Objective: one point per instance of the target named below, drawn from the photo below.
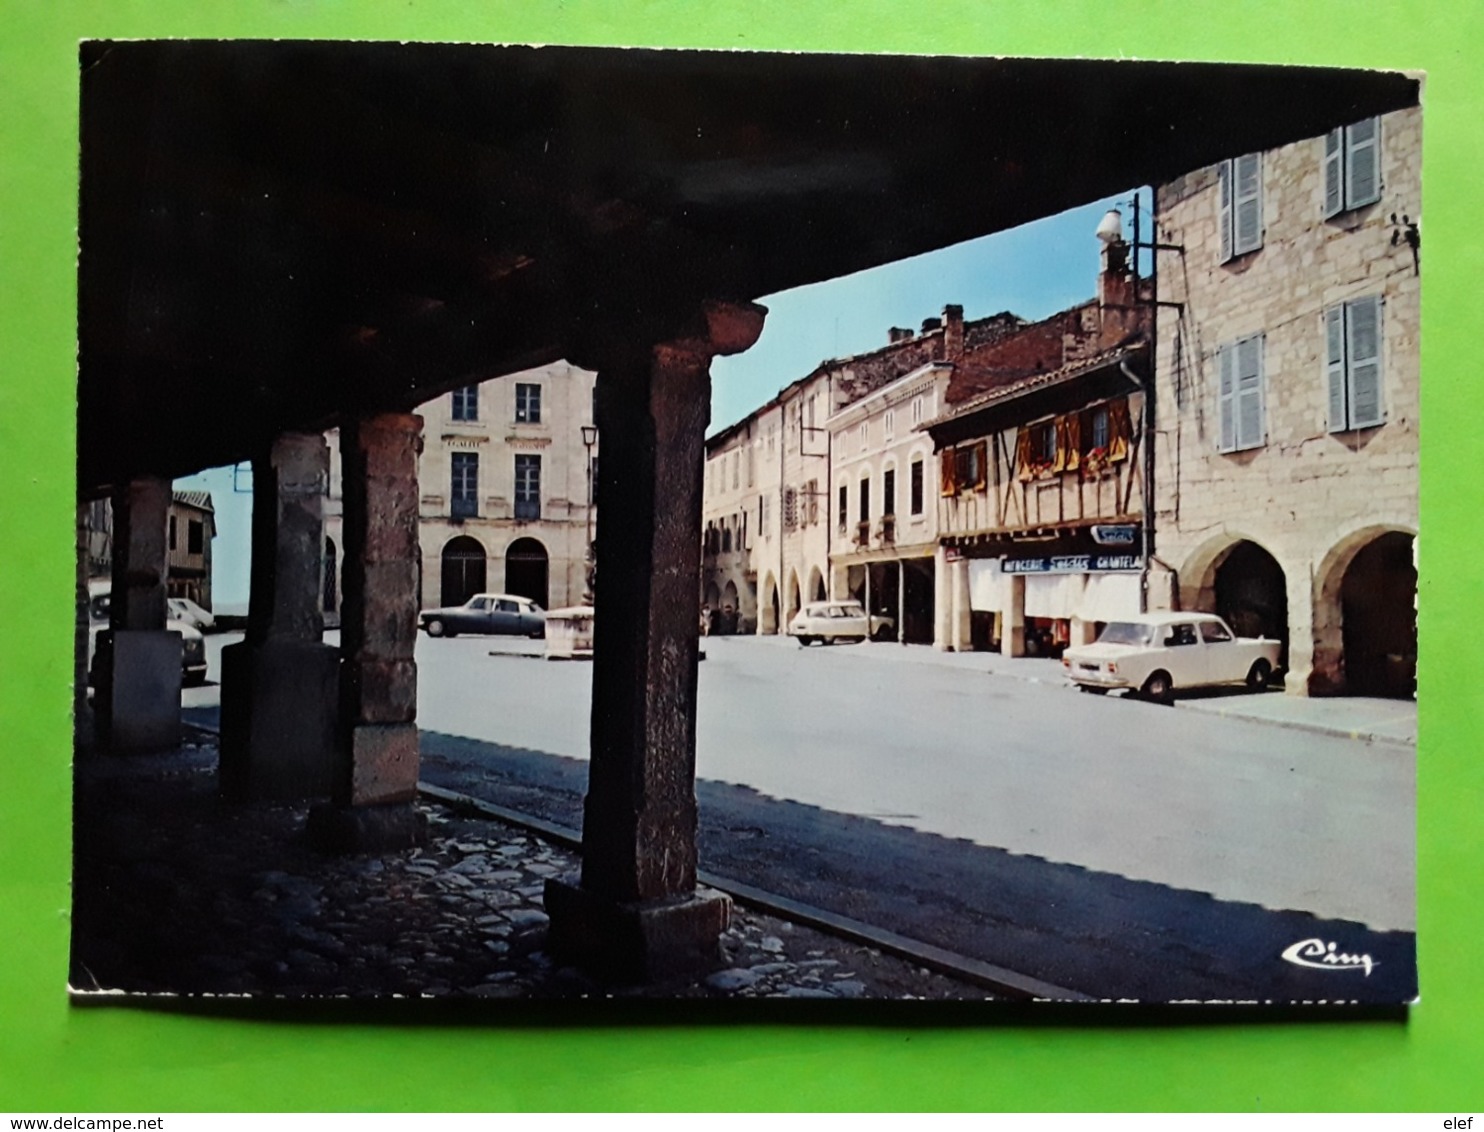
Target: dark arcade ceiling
(274, 235)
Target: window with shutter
(1352, 167)
(1224, 176)
(1334, 173)
(1362, 180)
(1334, 369)
(1241, 408)
(1226, 400)
(1247, 205)
(1250, 431)
(1240, 222)
(1353, 364)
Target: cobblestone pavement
(177, 891)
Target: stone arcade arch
(768, 611)
(527, 569)
(1365, 615)
(464, 570)
(816, 589)
(792, 601)
(1238, 578)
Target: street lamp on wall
(590, 438)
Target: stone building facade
(787, 515)
(883, 513)
(1288, 398)
(504, 479)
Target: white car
(830, 621)
(1156, 653)
(184, 609)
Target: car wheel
(537, 634)
(1091, 691)
(1259, 675)
(1159, 688)
(435, 628)
(805, 642)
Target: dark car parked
(504, 614)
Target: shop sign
(1072, 564)
(1117, 534)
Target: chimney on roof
(953, 332)
(1115, 282)
(931, 324)
(898, 334)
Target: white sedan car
(1156, 653)
(830, 621)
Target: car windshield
(1125, 633)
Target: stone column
(137, 663)
(962, 627)
(1012, 634)
(279, 686)
(942, 600)
(375, 773)
(901, 601)
(635, 912)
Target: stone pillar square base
(640, 942)
(366, 829)
(137, 689)
(278, 720)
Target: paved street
(888, 785)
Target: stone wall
(1310, 497)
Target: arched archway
(731, 608)
(464, 570)
(1241, 581)
(768, 613)
(816, 589)
(1365, 623)
(712, 596)
(791, 602)
(526, 570)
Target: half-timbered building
(1042, 457)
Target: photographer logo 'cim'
(1321, 956)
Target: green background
(55, 1058)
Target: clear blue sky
(1034, 270)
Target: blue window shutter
(1334, 173)
(1224, 224)
(1249, 393)
(1363, 347)
(1334, 368)
(1247, 204)
(1226, 400)
(1362, 163)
